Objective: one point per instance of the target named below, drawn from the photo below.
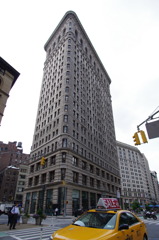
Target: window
(36, 180)
(37, 166)
(65, 129)
(98, 183)
(63, 172)
(43, 178)
(64, 142)
(63, 157)
(84, 165)
(22, 176)
(103, 174)
(97, 171)
(76, 34)
(30, 182)
(67, 89)
(91, 182)
(51, 176)
(32, 168)
(66, 98)
(20, 189)
(65, 118)
(66, 108)
(107, 176)
(53, 160)
(75, 177)
(74, 161)
(84, 180)
(73, 146)
(127, 218)
(91, 168)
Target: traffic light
(63, 182)
(136, 139)
(143, 136)
(42, 162)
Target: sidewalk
(31, 224)
(4, 227)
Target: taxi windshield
(102, 220)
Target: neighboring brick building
(8, 76)
(12, 154)
(11, 160)
(8, 182)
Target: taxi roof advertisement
(108, 203)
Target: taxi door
(125, 234)
(135, 226)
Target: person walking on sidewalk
(14, 216)
(56, 211)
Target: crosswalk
(151, 221)
(44, 232)
(38, 233)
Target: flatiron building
(74, 131)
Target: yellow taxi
(107, 222)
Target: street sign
(153, 129)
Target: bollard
(41, 234)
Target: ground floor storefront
(67, 198)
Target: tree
(135, 205)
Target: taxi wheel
(144, 238)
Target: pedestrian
(14, 216)
(9, 216)
(56, 211)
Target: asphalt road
(152, 226)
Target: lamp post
(118, 195)
(64, 183)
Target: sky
(125, 35)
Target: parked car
(5, 207)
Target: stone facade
(136, 182)
(21, 183)
(8, 76)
